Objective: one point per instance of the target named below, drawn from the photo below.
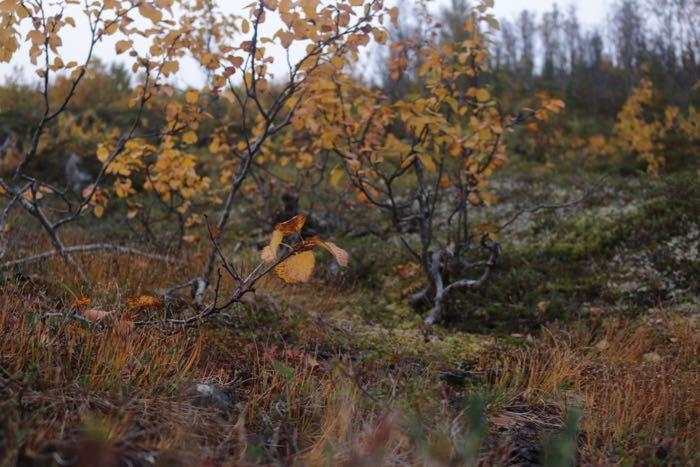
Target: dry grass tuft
(635, 382)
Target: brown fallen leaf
(95, 315)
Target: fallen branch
(121, 250)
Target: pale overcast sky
(591, 13)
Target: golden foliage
(638, 133)
(642, 130)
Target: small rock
(652, 357)
(208, 395)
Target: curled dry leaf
(292, 226)
(340, 255)
(144, 301)
(269, 253)
(95, 315)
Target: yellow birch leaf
(286, 38)
(149, 11)
(407, 162)
(192, 97)
(483, 95)
(428, 163)
(102, 153)
(189, 137)
(297, 268)
(170, 67)
(122, 46)
(336, 175)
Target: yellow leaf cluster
(175, 171)
(299, 264)
(636, 133)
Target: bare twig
(552, 206)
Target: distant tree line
(630, 85)
(594, 70)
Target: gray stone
(208, 395)
(76, 177)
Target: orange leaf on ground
(144, 301)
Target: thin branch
(542, 207)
